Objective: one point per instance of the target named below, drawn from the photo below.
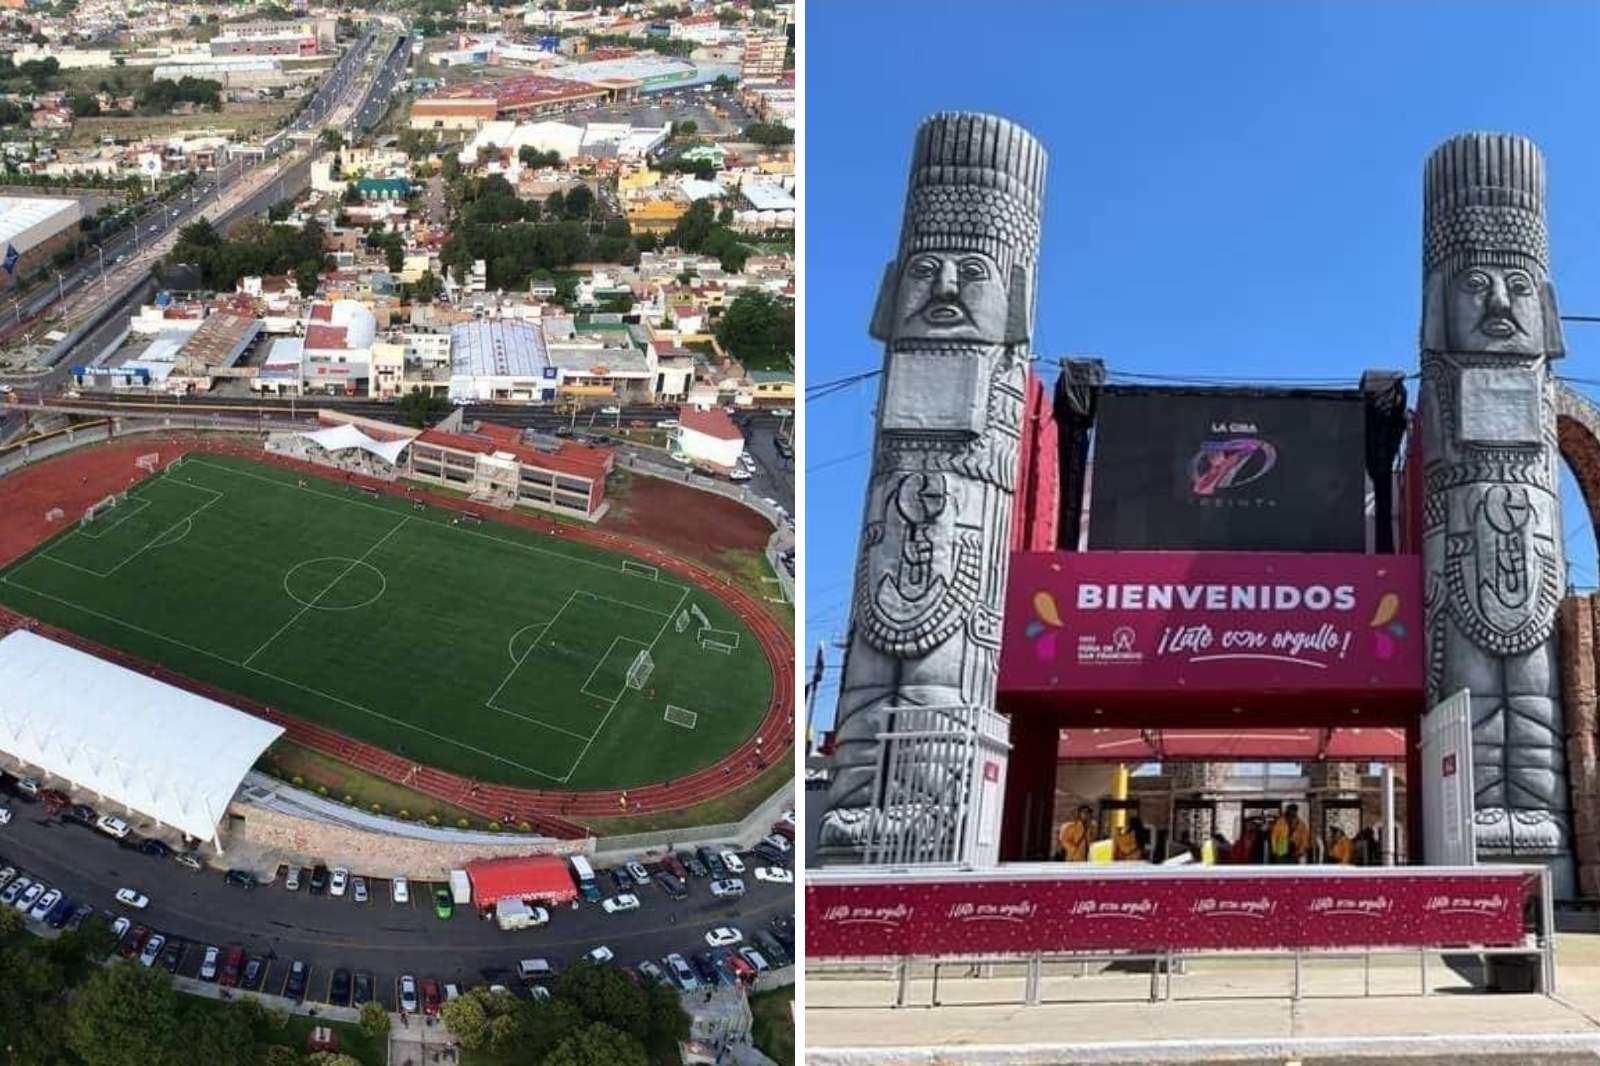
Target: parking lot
(381, 938)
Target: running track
(78, 478)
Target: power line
(836, 461)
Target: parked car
(339, 988)
(79, 915)
(732, 861)
(431, 998)
(625, 901)
(672, 885)
(729, 888)
(754, 958)
(724, 936)
(210, 964)
(713, 862)
(400, 890)
(687, 979)
(152, 949)
(769, 854)
(741, 967)
(653, 972)
(6, 875)
(675, 867)
(778, 841)
(299, 976)
(601, 954)
(134, 943)
(340, 881)
(112, 826)
(15, 889)
(43, 904)
(705, 969)
(640, 875)
(319, 880)
(362, 990)
(56, 917)
(535, 969)
(254, 968)
(188, 859)
(291, 879)
(358, 889)
(152, 846)
(242, 878)
(622, 879)
(232, 963)
(5, 815)
(775, 874)
(30, 895)
(443, 904)
(55, 800)
(29, 787)
(119, 928)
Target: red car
(54, 800)
(232, 960)
(430, 996)
(784, 829)
(135, 942)
(741, 968)
(674, 867)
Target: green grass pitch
(489, 650)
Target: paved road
(381, 936)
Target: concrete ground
(1223, 1010)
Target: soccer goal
(723, 640)
(641, 669)
(100, 507)
(55, 514)
(175, 463)
(640, 569)
(683, 621)
(681, 716)
(148, 463)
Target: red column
(1027, 827)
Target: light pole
(102, 256)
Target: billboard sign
(1212, 622)
(1224, 470)
(1078, 911)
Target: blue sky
(1234, 189)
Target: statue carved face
(951, 296)
(1495, 309)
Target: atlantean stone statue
(956, 314)
(1492, 532)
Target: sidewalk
(1223, 1011)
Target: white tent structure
(338, 438)
(154, 749)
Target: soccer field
(489, 650)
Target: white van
(535, 969)
(583, 874)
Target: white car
(724, 936)
(399, 890)
(112, 826)
(42, 907)
(129, 898)
(208, 967)
(601, 954)
(739, 473)
(732, 861)
(776, 874)
(120, 927)
(667, 423)
(408, 994)
(755, 958)
(30, 895)
(6, 875)
(627, 901)
(779, 841)
(152, 950)
(728, 888)
(639, 874)
(291, 880)
(5, 815)
(358, 888)
(341, 880)
(611, 409)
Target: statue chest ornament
(916, 583)
(1502, 574)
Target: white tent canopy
(338, 438)
(158, 750)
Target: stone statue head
(1486, 257)
(970, 238)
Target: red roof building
(496, 464)
(536, 878)
(709, 438)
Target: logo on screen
(1222, 465)
(1044, 628)
(1387, 629)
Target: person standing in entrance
(1076, 835)
(1291, 837)
(1340, 849)
(1127, 843)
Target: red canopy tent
(1345, 744)
(538, 877)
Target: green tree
(668, 1022)
(555, 205)
(278, 1055)
(769, 133)
(332, 139)
(126, 1015)
(580, 202)
(418, 409)
(598, 1045)
(468, 1020)
(374, 1019)
(536, 1029)
(307, 276)
(604, 994)
(330, 1058)
(209, 1035)
(84, 106)
(427, 286)
(758, 330)
(352, 195)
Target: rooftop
(21, 214)
(498, 349)
(713, 423)
(489, 438)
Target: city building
(32, 229)
(500, 360)
(708, 437)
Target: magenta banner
(1164, 913)
(1212, 622)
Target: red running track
(76, 479)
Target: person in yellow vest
(1340, 849)
(1290, 838)
(1127, 843)
(1076, 836)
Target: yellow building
(656, 216)
(635, 180)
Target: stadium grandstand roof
(29, 220)
(142, 744)
(338, 438)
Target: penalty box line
(517, 665)
(129, 509)
(152, 542)
(584, 688)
